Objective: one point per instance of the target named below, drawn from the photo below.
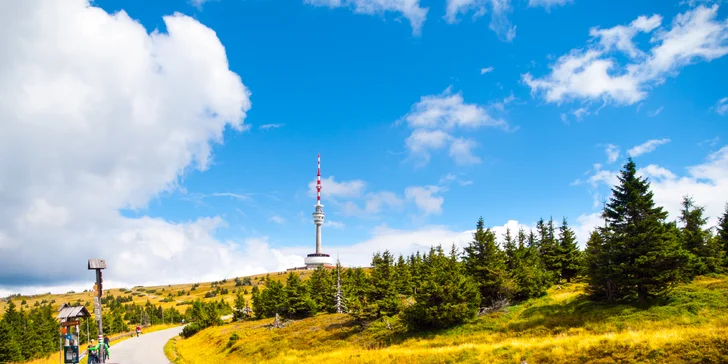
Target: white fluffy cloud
(410, 9)
(647, 147)
(332, 189)
(435, 118)
(109, 117)
(707, 183)
(593, 73)
(721, 107)
(425, 199)
(585, 224)
(486, 70)
(352, 198)
(499, 10)
(612, 153)
(198, 3)
(448, 178)
(461, 150)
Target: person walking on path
(138, 330)
(100, 357)
(92, 353)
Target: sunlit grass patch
(563, 326)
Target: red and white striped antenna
(318, 182)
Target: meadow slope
(691, 326)
(157, 295)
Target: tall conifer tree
(644, 253)
(696, 239)
(722, 236)
(383, 292)
(404, 277)
(485, 262)
(299, 303)
(569, 254)
(445, 297)
(530, 279)
(509, 244)
(10, 350)
(323, 289)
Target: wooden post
(60, 343)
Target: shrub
(233, 338)
(190, 330)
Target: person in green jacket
(94, 352)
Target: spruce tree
(696, 239)
(445, 297)
(569, 254)
(528, 273)
(299, 303)
(323, 290)
(271, 300)
(404, 277)
(601, 267)
(722, 236)
(645, 253)
(485, 263)
(549, 248)
(532, 242)
(383, 293)
(240, 305)
(357, 285)
(10, 350)
(509, 245)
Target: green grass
(564, 326)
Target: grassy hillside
(155, 294)
(561, 327)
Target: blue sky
(425, 120)
(337, 82)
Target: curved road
(145, 349)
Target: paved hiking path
(145, 349)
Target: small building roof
(68, 312)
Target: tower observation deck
(318, 258)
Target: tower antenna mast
(318, 182)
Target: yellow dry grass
(559, 328)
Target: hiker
(92, 353)
(139, 330)
(106, 340)
(97, 349)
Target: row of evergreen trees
(483, 275)
(26, 335)
(639, 253)
(636, 254)
(204, 314)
